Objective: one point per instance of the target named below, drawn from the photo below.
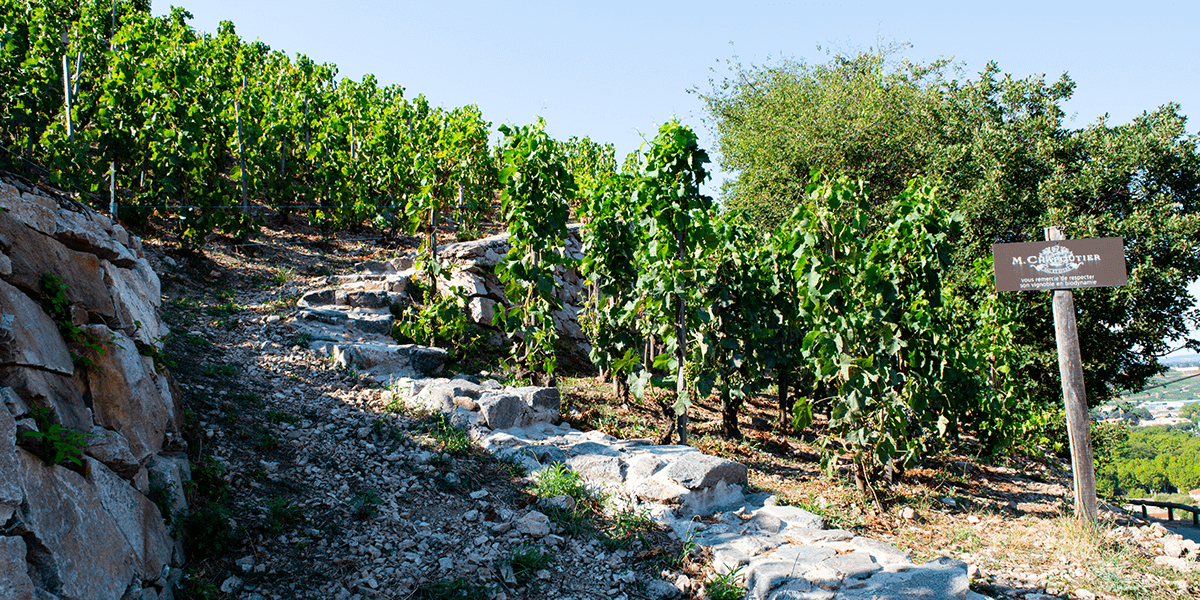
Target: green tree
(1006, 160)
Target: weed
(283, 275)
(573, 522)
(206, 531)
(198, 341)
(452, 589)
(677, 561)
(728, 586)
(264, 440)
(218, 370)
(362, 506)
(526, 561)
(623, 527)
(558, 480)
(383, 428)
(58, 306)
(452, 439)
(275, 416)
(224, 309)
(226, 324)
(59, 444)
(280, 514)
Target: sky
(615, 71)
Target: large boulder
(38, 212)
(57, 393)
(92, 233)
(28, 337)
(136, 297)
(77, 550)
(129, 395)
(40, 254)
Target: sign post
(1061, 265)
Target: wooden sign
(1059, 264)
(1062, 265)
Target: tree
(1005, 160)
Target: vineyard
(870, 317)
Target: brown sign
(1059, 265)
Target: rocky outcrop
(87, 413)
(351, 319)
(473, 271)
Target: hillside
(288, 450)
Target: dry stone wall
(82, 527)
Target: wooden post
(1070, 368)
(681, 416)
(112, 190)
(67, 96)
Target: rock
(482, 311)
(15, 583)
(232, 584)
(136, 517)
(694, 470)
(1085, 594)
(794, 517)
(908, 513)
(542, 401)
(503, 410)
(534, 524)
(59, 393)
(11, 493)
(136, 296)
(66, 522)
(169, 472)
(1172, 548)
(563, 502)
(111, 449)
(5, 265)
(936, 579)
(79, 231)
(41, 254)
(28, 337)
(38, 212)
(129, 395)
(1179, 564)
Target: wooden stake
(67, 96)
(1070, 368)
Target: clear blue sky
(616, 71)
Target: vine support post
(112, 189)
(67, 96)
(681, 412)
(433, 239)
(1070, 368)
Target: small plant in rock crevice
(280, 514)
(363, 505)
(60, 445)
(726, 586)
(527, 561)
(58, 306)
(452, 589)
(559, 480)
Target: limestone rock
(28, 337)
(695, 470)
(65, 518)
(15, 583)
(534, 524)
(38, 212)
(40, 254)
(136, 517)
(136, 296)
(169, 472)
(938, 579)
(59, 393)
(111, 449)
(11, 493)
(129, 395)
(85, 233)
(504, 410)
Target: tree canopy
(1005, 158)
